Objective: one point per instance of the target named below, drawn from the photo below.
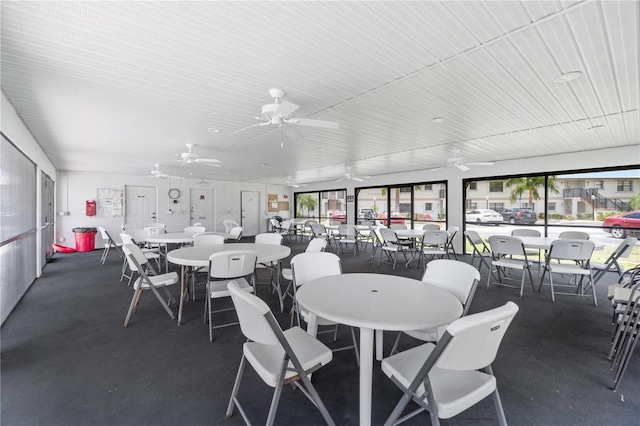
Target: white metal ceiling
(119, 86)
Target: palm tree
(307, 201)
(530, 184)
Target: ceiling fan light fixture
(567, 77)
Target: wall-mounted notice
(110, 202)
(272, 203)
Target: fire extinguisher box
(85, 238)
(91, 208)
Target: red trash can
(85, 238)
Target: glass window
(624, 185)
(551, 206)
(427, 187)
(496, 206)
(427, 206)
(321, 205)
(598, 184)
(473, 186)
(496, 186)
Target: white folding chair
(273, 267)
(392, 246)
(224, 267)
(574, 235)
(235, 233)
(316, 245)
(279, 357)
(150, 254)
(194, 229)
(434, 245)
(309, 266)
(202, 239)
(229, 224)
(445, 379)
(456, 277)
(320, 231)
(108, 245)
(573, 257)
(623, 251)
(348, 235)
(452, 231)
(430, 227)
(509, 253)
(139, 263)
(480, 249)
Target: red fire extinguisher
(91, 208)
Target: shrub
(569, 217)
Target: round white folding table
(198, 257)
(376, 302)
(175, 238)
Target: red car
(396, 217)
(619, 225)
(339, 215)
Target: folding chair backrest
(398, 226)
(205, 238)
(139, 236)
(251, 312)
(475, 339)
(506, 245)
(431, 227)
(574, 235)
(236, 232)
(570, 249)
(388, 235)
(435, 238)
(269, 238)
(103, 233)
(127, 238)
(453, 230)
(456, 277)
(194, 229)
(525, 232)
(474, 238)
(285, 225)
(625, 248)
(232, 264)
(135, 256)
(274, 223)
(316, 245)
(347, 230)
(309, 266)
(318, 229)
(229, 224)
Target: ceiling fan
(293, 185)
(191, 157)
(457, 162)
(350, 176)
(157, 173)
(279, 113)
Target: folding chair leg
(277, 392)
(236, 387)
(134, 303)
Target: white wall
(75, 188)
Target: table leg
(379, 345)
(366, 374)
(183, 281)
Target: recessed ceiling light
(567, 76)
(214, 130)
(437, 120)
(596, 126)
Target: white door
(140, 206)
(250, 213)
(203, 208)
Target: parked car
(396, 217)
(339, 215)
(367, 214)
(520, 216)
(618, 225)
(484, 216)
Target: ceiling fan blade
(340, 180)
(207, 160)
(462, 167)
(481, 163)
(248, 127)
(285, 108)
(314, 123)
(436, 168)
